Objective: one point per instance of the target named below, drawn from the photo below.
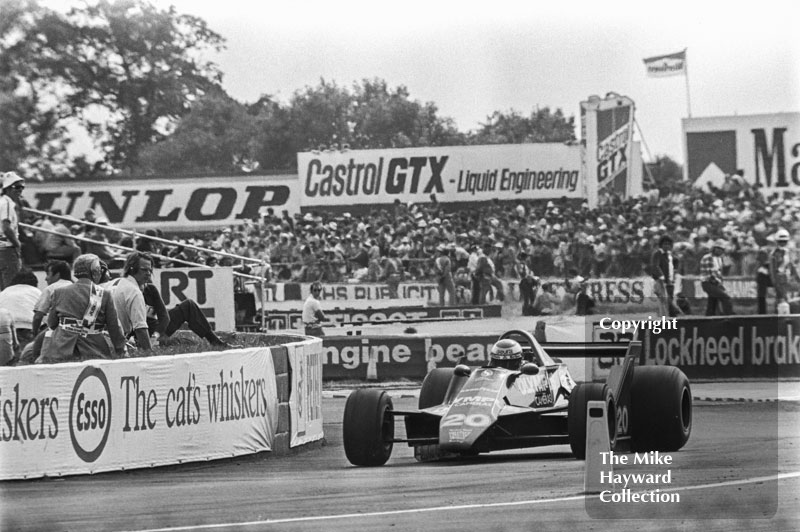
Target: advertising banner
(294, 319)
(452, 173)
(181, 204)
(607, 136)
(305, 396)
(765, 147)
(356, 357)
(637, 290)
(211, 288)
(746, 347)
(79, 418)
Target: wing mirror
(529, 368)
(462, 370)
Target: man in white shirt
(10, 248)
(312, 312)
(129, 300)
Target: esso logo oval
(90, 414)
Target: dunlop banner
(746, 347)
(171, 204)
(102, 415)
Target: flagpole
(688, 95)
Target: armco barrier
(740, 347)
(108, 415)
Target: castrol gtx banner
(171, 204)
(607, 132)
(102, 415)
(453, 174)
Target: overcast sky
(472, 58)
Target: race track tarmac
(739, 471)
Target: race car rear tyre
(576, 415)
(661, 408)
(368, 427)
(434, 387)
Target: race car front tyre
(368, 427)
(434, 387)
(661, 408)
(576, 415)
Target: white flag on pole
(666, 65)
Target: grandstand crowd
(549, 238)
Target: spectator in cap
(712, 280)
(664, 267)
(80, 315)
(10, 247)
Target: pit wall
(735, 347)
(112, 415)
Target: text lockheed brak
(465, 411)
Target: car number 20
(472, 420)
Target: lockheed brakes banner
(174, 204)
(105, 415)
(453, 174)
(745, 347)
(766, 148)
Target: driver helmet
(506, 354)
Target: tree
(125, 70)
(386, 118)
(217, 135)
(667, 175)
(513, 128)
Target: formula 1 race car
(465, 411)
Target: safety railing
(134, 235)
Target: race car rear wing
(587, 350)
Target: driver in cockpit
(506, 354)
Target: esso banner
(452, 173)
(211, 288)
(175, 204)
(765, 147)
(104, 415)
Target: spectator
(60, 245)
(664, 267)
(393, 273)
(20, 298)
(129, 299)
(312, 312)
(712, 280)
(10, 247)
(57, 274)
(444, 276)
(784, 277)
(79, 315)
(8, 338)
